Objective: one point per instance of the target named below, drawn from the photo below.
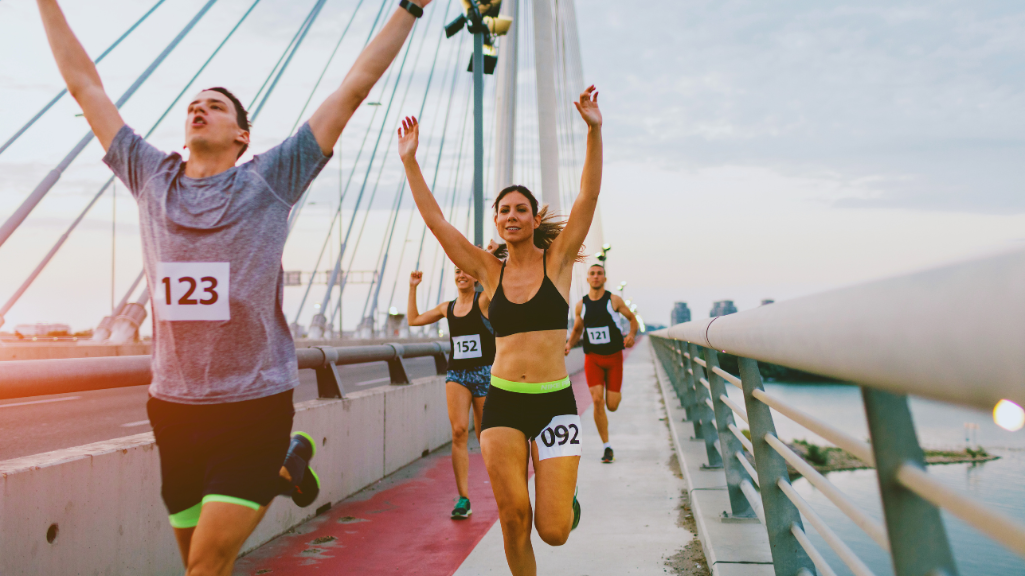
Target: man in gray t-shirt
(213, 233)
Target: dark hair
(241, 116)
(602, 266)
(549, 229)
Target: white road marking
(132, 424)
(388, 379)
(40, 401)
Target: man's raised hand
(409, 138)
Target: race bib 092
(598, 335)
(464, 347)
(192, 291)
(560, 438)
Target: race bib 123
(560, 438)
(598, 335)
(192, 291)
(466, 347)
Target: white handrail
(861, 450)
(740, 436)
(736, 409)
(809, 548)
(870, 526)
(925, 334)
(997, 526)
(842, 550)
(753, 498)
(728, 377)
(700, 362)
(747, 466)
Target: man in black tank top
(597, 319)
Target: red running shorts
(604, 370)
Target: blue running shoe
(305, 485)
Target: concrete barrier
(96, 509)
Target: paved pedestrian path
(400, 525)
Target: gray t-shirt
(212, 251)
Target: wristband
(413, 9)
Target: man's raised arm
(330, 119)
(80, 74)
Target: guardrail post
(440, 361)
(788, 557)
(396, 367)
(918, 540)
(688, 385)
(729, 443)
(704, 415)
(329, 380)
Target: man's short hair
(602, 266)
(241, 116)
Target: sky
(752, 150)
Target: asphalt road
(45, 423)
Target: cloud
(921, 97)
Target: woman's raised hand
(409, 138)
(415, 278)
(588, 107)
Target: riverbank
(832, 459)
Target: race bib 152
(560, 438)
(466, 347)
(598, 335)
(192, 291)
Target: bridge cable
(455, 188)
(293, 216)
(310, 19)
(48, 182)
(61, 94)
(454, 51)
(338, 263)
(352, 173)
(400, 196)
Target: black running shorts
(528, 413)
(220, 452)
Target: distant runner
(603, 349)
(224, 363)
(469, 370)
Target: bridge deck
(630, 524)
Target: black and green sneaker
(305, 485)
(462, 510)
(608, 457)
(576, 510)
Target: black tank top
(547, 310)
(472, 339)
(601, 333)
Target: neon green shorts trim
(530, 387)
(189, 517)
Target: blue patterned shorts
(476, 380)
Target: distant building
(767, 301)
(681, 313)
(722, 308)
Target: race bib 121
(598, 335)
(560, 438)
(464, 347)
(192, 291)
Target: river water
(999, 484)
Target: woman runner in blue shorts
(469, 373)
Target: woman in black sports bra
(530, 410)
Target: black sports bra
(547, 310)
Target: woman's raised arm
(568, 243)
(475, 261)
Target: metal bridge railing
(893, 338)
(23, 378)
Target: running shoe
(608, 457)
(462, 510)
(576, 510)
(305, 485)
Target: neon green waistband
(530, 387)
